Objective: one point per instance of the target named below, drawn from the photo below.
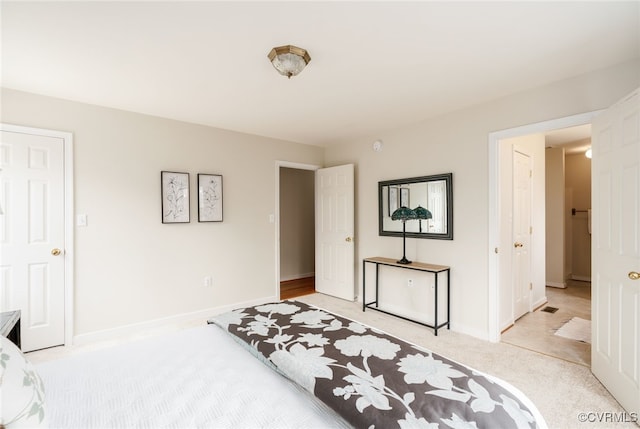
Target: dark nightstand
(10, 326)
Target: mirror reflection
(433, 193)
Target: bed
(278, 365)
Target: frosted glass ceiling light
(289, 60)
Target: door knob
(56, 251)
(348, 239)
(634, 275)
(517, 244)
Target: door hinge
(530, 230)
(530, 173)
(530, 286)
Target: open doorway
(561, 326)
(296, 231)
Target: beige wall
(297, 227)
(458, 143)
(555, 217)
(578, 184)
(131, 268)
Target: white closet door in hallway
(521, 234)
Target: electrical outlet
(208, 281)
(410, 283)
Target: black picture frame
(175, 201)
(210, 198)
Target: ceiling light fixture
(289, 60)
(588, 153)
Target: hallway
(536, 331)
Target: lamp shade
(403, 214)
(422, 213)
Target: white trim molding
(580, 278)
(297, 276)
(276, 217)
(164, 324)
(562, 285)
(494, 202)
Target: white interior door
(31, 229)
(615, 350)
(521, 249)
(334, 232)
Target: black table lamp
(403, 214)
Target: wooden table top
(413, 265)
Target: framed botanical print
(404, 197)
(393, 199)
(209, 198)
(175, 197)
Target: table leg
(435, 287)
(377, 275)
(448, 299)
(364, 285)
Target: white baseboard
(506, 326)
(420, 316)
(580, 278)
(470, 330)
(539, 303)
(562, 285)
(142, 328)
(296, 276)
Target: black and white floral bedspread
(372, 379)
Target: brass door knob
(56, 251)
(634, 275)
(348, 239)
(517, 244)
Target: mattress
(196, 378)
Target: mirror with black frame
(434, 193)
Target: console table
(10, 326)
(416, 266)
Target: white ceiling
(375, 65)
(573, 139)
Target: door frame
(69, 254)
(494, 226)
(284, 164)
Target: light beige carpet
(561, 390)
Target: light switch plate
(81, 220)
